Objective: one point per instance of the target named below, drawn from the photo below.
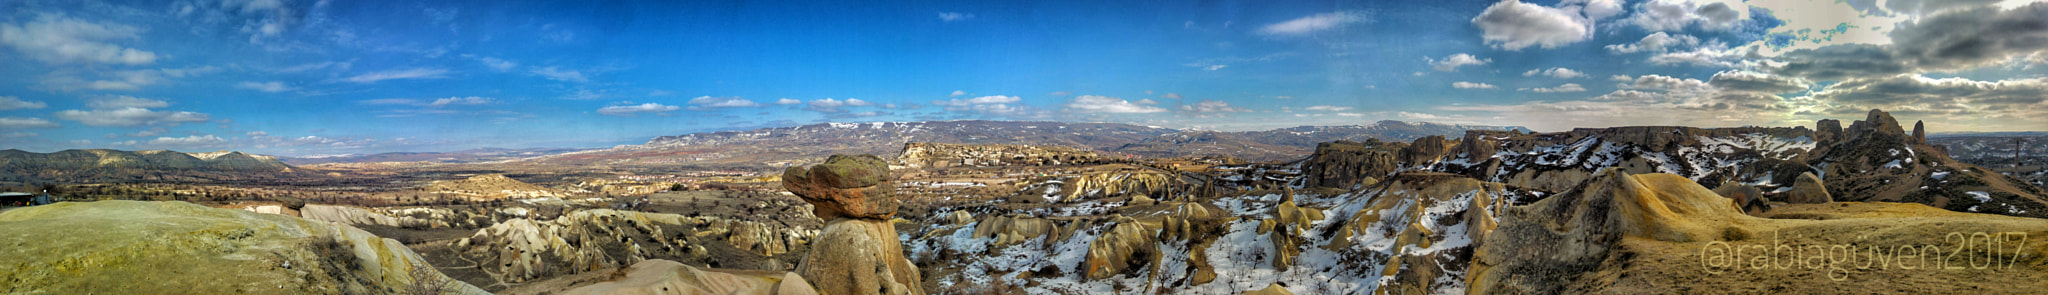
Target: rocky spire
(1919, 132)
(857, 252)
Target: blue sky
(293, 77)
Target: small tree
(426, 281)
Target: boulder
(1919, 132)
(1272, 289)
(848, 186)
(1808, 189)
(132, 247)
(669, 277)
(859, 257)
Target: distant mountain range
(787, 145)
(463, 156)
(158, 165)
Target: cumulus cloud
(130, 116)
(25, 123)
(993, 105)
(958, 93)
(708, 103)
(1513, 25)
(1920, 92)
(1560, 73)
(1675, 15)
(15, 103)
(60, 39)
(272, 86)
(1419, 116)
(1328, 108)
(787, 101)
(955, 16)
(1656, 42)
(552, 73)
(1567, 87)
(124, 101)
(410, 73)
(1748, 81)
(1451, 63)
(1314, 23)
(1105, 104)
(636, 110)
(1974, 37)
(1471, 85)
(189, 141)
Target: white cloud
(1513, 25)
(992, 99)
(124, 101)
(1675, 15)
(1314, 23)
(1418, 116)
(15, 103)
(1596, 9)
(1567, 87)
(552, 73)
(272, 86)
(636, 110)
(25, 123)
(59, 39)
(958, 93)
(1105, 104)
(1205, 107)
(1655, 42)
(955, 16)
(829, 105)
(257, 134)
(131, 116)
(1451, 63)
(315, 66)
(787, 101)
(1328, 108)
(494, 63)
(1172, 96)
(1560, 73)
(411, 73)
(1471, 85)
(20, 134)
(129, 80)
(1351, 114)
(194, 141)
(472, 100)
(702, 103)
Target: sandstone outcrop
(860, 256)
(858, 251)
(670, 277)
(1747, 197)
(1807, 190)
(1659, 233)
(524, 250)
(845, 186)
(492, 186)
(942, 155)
(1345, 164)
(176, 247)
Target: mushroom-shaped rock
(860, 257)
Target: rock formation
(858, 251)
(1919, 132)
(1345, 164)
(1807, 190)
(1747, 197)
(102, 165)
(670, 277)
(492, 186)
(941, 155)
(524, 250)
(135, 247)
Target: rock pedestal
(857, 253)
